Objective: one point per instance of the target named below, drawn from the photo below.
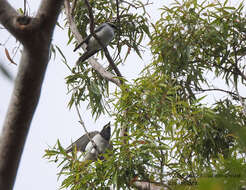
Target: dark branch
(8, 15)
(27, 87)
(92, 26)
(145, 185)
(221, 90)
(46, 13)
(105, 74)
(74, 3)
(83, 125)
(92, 23)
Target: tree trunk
(35, 34)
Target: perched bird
(101, 140)
(105, 33)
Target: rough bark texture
(143, 185)
(35, 34)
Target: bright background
(53, 120)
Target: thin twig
(221, 90)
(118, 13)
(242, 102)
(74, 3)
(92, 26)
(240, 73)
(16, 50)
(24, 7)
(92, 23)
(236, 62)
(136, 7)
(240, 98)
(83, 125)
(95, 65)
(118, 30)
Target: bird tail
(78, 46)
(70, 148)
(86, 55)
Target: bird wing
(99, 28)
(81, 142)
(86, 55)
(86, 40)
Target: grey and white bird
(101, 139)
(105, 33)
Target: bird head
(106, 132)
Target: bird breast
(101, 143)
(105, 36)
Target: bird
(101, 140)
(105, 33)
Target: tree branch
(48, 12)
(145, 185)
(8, 18)
(92, 26)
(28, 82)
(83, 125)
(234, 95)
(95, 65)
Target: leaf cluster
(156, 115)
(85, 83)
(132, 25)
(193, 38)
(171, 138)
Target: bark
(144, 185)
(35, 34)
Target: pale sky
(53, 120)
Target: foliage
(173, 137)
(87, 84)
(132, 27)
(192, 39)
